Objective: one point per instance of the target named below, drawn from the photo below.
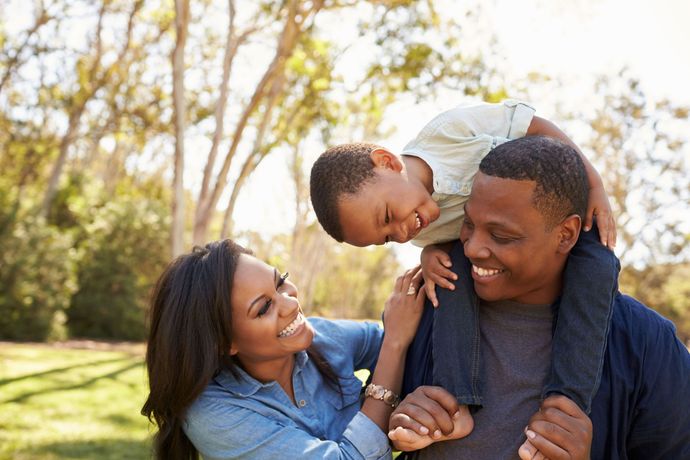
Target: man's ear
(569, 232)
(382, 158)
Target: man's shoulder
(636, 327)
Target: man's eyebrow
(251, 305)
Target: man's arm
(598, 204)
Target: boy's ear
(382, 158)
(569, 232)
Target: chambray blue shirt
(453, 144)
(240, 417)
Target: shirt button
(302, 403)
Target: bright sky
(574, 39)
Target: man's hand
(599, 206)
(436, 270)
(427, 415)
(559, 431)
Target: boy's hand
(600, 207)
(436, 270)
(560, 430)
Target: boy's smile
(388, 208)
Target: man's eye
(501, 239)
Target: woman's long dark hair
(189, 339)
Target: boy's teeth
(290, 328)
(485, 271)
(418, 221)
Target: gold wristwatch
(382, 394)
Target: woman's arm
(401, 317)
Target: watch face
(378, 392)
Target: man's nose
(475, 247)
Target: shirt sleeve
(245, 434)
(661, 427)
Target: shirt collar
(239, 383)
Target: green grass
(68, 403)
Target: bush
(122, 253)
(36, 276)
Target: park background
(132, 130)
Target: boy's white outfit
(453, 144)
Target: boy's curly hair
(340, 170)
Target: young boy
(363, 194)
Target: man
(523, 216)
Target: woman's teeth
(485, 271)
(292, 327)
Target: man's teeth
(485, 271)
(292, 327)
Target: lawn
(67, 402)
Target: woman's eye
(265, 308)
(387, 219)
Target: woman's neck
(277, 370)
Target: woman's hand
(404, 308)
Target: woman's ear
(382, 158)
(233, 349)
(569, 232)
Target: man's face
(513, 255)
(386, 208)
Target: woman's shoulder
(342, 331)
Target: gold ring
(411, 290)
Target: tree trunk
(179, 107)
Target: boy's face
(387, 208)
(513, 256)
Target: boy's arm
(598, 204)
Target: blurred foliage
(37, 280)
(86, 120)
(124, 249)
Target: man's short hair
(562, 187)
(339, 171)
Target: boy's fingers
(430, 289)
(443, 282)
(588, 219)
(444, 258)
(444, 273)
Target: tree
(181, 25)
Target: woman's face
(267, 321)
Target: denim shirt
(244, 418)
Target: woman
(235, 370)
